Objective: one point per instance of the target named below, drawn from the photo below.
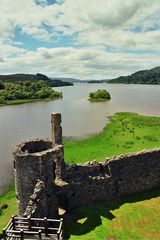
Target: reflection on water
(80, 117)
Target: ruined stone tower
(36, 164)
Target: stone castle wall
(45, 182)
(119, 176)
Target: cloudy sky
(86, 39)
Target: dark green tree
(99, 95)
(1, 85)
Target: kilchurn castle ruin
(45, 183)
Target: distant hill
(151, 76)
(69, 80)
(32, 77)
(96, 81)
(74, 80)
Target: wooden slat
(43, 228)
(13, 236)
(17, 222)
(9, 224)
(60, 226)
(21, 228)
(48, 219)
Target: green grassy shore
(98, 100)
(21, 101)
(126, 132)
(135, 217)
(9, 198)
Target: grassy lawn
(127, 132)
(21, 101)
(136, 217)
(9, 199)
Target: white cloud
(107, 22)
(113, 22)
(27, 15)
(104, 31)
(86, 63)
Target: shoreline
(21, 101)
(126, 132)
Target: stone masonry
(44, 182)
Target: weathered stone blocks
(56, 128)
(33, 161)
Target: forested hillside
(151, 76)
(32, 77)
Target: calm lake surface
(80, 117)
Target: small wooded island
(100, 95)
(26, 88)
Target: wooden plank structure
(33, 228)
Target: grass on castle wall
(126, 132)
(139, 219)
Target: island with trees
(23, 88)
(101, 95)
(16, 92)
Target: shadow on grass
(83, 220)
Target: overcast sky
(86, 39)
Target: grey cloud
(117, 17)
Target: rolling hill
(32, 77)
(151, 76)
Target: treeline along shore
(22, 88)
(151, 77)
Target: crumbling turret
(37, 161)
